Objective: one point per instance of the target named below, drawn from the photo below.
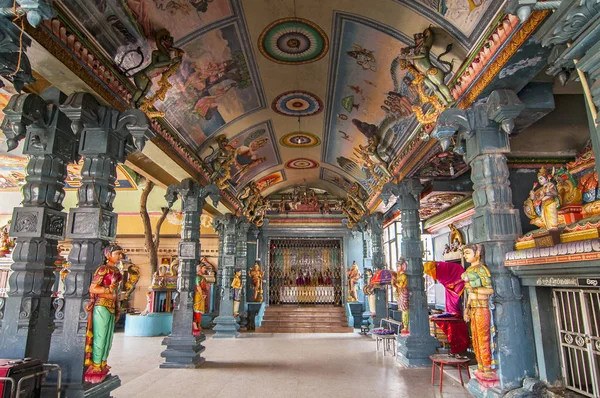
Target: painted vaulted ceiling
(294, 84)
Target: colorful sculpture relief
(254, 206)
(236, 287)
(104, 311)
(353, 278)
(400, 284)
(220, 161)
(199, 300)
(6, 243)
(354, 207)
(478, 284)
(256, 276)
(161, 58)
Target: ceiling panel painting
(216, 84)
(270, 180)
(255, 152)
(367, 93)
(464, 19)
(339, 180)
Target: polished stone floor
(273, 365)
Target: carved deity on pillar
(236, 288)
(256, 276)
(104, 312)
(199, 300)
(353, 278)
(400, 284)
(478, 285)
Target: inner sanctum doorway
(305, 271)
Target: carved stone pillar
(39, 224)
(107, 136)
(413, 350)
(183, 348)
(226, 324)
(375, 225)
(496, 225)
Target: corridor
(273, 365)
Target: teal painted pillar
(241, 262)
(482, 131)
(415, 348)
(226, 325)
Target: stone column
(241, 262)
(496, 225)
(39, 224)
(226, 325)
(183, 348)
(219, 228)
(413, 350)
(107, 136)
(375, 225)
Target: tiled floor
(273, 365)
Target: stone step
(305, 329)
(305, 319)
(317, 309)
(302, 324)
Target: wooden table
(439, 360)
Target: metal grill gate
(578, 324)
(305, 271)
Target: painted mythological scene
(255, 152)
(338, 180)
(369, 90)
(270, 180)
(464, 14)
(212, 87)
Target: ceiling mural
(255, 151)
(12, 175)
(437, 201)
(293, 41)
(270, 179)
(301, 163)
(339, 180)
(366, 88)
(464, 19)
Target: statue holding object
(6, 243)
(256, 276)
(104, 312)
(236, 288)
(199, 305)
(353, 278)
(163, 61)
(478, 285)
(400, 284)
(369, 291)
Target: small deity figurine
(104, 312)
(369, 291)
(256, 276)
(353, 278)
(6, 243)
(545, 200)
(400, 283)
(478, 284)
(236, 286)
(199, 301)
(328, 280)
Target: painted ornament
(300, 139)
(301, 163)
(297, 103)
(293, 41)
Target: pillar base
(226, 327)
(414, 351)
(183, 352)
(84, 390)
(480, 391)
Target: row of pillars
(58, 130)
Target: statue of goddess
(402, 296)
(236, 285)
(104, 312)
(545, 200)
(353, 278)
(478, 284)
(199, 301)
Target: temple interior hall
(299, 198)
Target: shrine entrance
(578, 323)
(305, 271)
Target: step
(306, 329)
(313, 324)
(304, 319)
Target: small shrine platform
(304, 319)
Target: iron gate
(578, 324)
(305, 271)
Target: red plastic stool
(439, 360)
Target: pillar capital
(407, 192)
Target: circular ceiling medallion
(299, 139)
(301, 163)
(297, 103)
(293, 41)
